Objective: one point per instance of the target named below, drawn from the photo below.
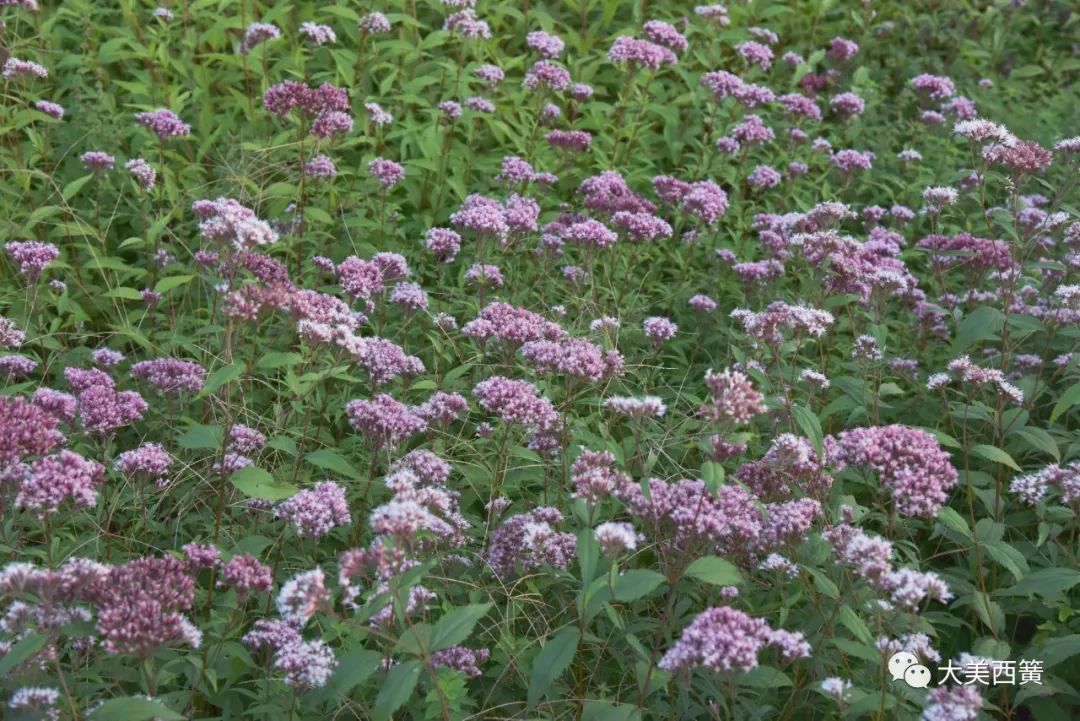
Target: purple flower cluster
(444, 243)
(10, 334)
(139, 606)
(246, 575)
(384, 420)
(387, 172)
(283, 98)
(32, 256)
(909, 462)
(97, 161)
(638, 53)
(164, 123)
(726, 639)
(665, 34)
(17, 68)
(519, 402)
(52, 480)
(257, 34)
(459, 658)
(528, 541)
(103, 409)
(483, 216)
(61, 406)
(734, 398)
(465, 24)
(53, 110)
(148, 462)
(549, 46)
(575, 357)
(659, 329)
(511, 325)
(171, 376)
(374, 24)
(227, 221)
(318, 34)
(595, 477)
(768, 325)
(143, 173)
(316, 512)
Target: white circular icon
(900, 662)
(917, 676)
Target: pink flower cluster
(139, 606)
(164, 123)
(171, 376)
(909, 462)
(726, 639)
(32, 256)
(870, 557)
(638, 53)
(317, 511)
(148, 462)
(227, 221)
(511, 325)
(528, 541)
(384, 420)
(734, 398)
(595, 476)
(768, 325)
(519, 402)
(52, 480)
(574, 357)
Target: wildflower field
(576, 359)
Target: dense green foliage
(570, 630)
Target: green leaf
(1044, 582)
(133, 709)
(1008, 557)
(1056, 650)
(198, 436)
(1067, 400)
(981, 324)
(713, 474)
(254, 482)
(220, 377)
(854, 622)
(278, 360)
(75, 186)
(865, 651)
(588, 555)
(634, 584)
(715, 571)
(995, 454)
(763, 677)
(825, 585)
(22, 651)
(397, 689)
(953, 520)
(174, 281)
(124, 293)
(331, 460)
(353, 669)
(454, 627)
(609, 711)
(1026, 71)
(414, 639)
(811, 427)
(988, 611)
(551, 662)
(1040, 440)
